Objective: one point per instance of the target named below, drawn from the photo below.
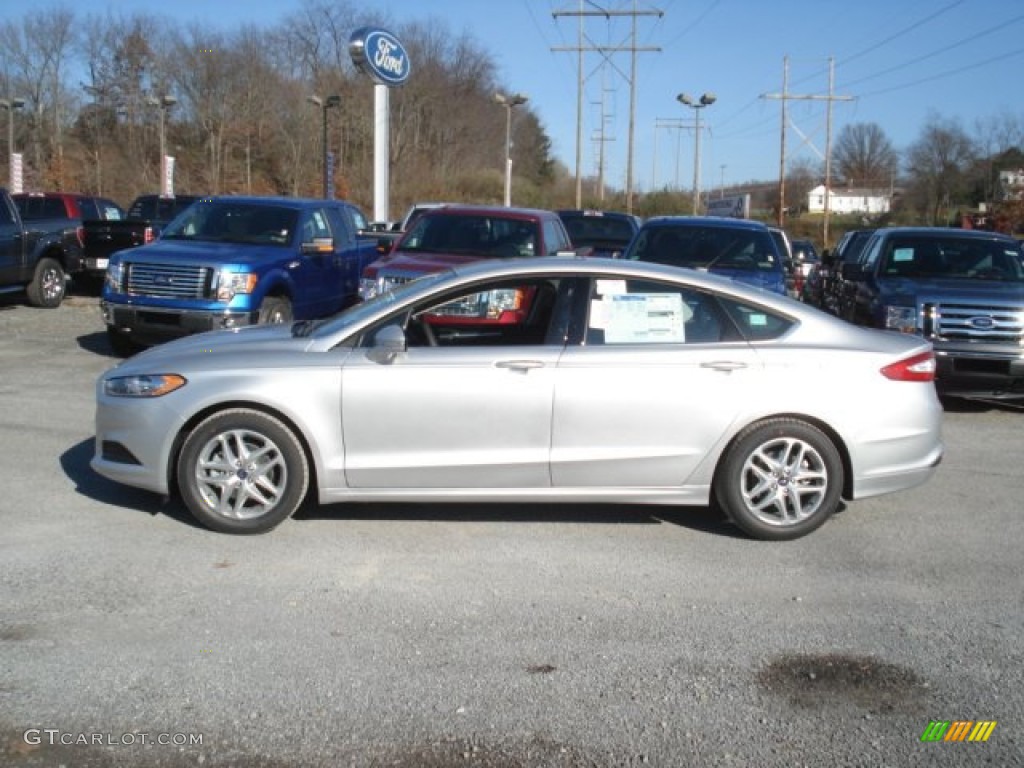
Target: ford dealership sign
(379, 54)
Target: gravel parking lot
(497, 636)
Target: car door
(654, 386)
(474, 411)
(317, 275)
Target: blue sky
(899, 60)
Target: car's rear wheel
(48, 285)
(242, 471)
(780, 479)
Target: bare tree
(864, 157)
(937, 164)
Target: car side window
(316, 226)
(648, 312)
(755, 323)
(502, 313)
(555, 238)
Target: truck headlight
(368, 288)
(902, 319)
(231, 284)
(151, 385)
(112, 278)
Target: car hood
(201, 253)
(216, 349)
(423, 262)
(769, 281)
(951, 289)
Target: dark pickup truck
(962, 290)
(233, 261)
(36, 256)
(146, 216)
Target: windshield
(960, 258)
(707, 248)
(476, 234)
(355, 314)
(235, 222)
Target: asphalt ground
(497, 636)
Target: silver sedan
(548, 380)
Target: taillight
(147, 236)
(920, 367)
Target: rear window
(34, 207)
(598, 231)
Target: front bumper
(160, 324)
(989, 377)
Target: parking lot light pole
(10, 105)
(508, 102)
(705, 101)
(163, 104)
(325, 104)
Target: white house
(848, 200)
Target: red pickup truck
(453, 235)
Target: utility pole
(785, 97)
(583, 46)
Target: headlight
(231, 284)
(368, 288)
(145, 385)
(113, 276)
(902, 319)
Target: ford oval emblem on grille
(981, 323)
(162, 280)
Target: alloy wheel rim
(241, 474)
(784, 481)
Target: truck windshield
(474, 234)
(700, 247)
(959, 258)
(235, 222)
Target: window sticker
(644, 318)
(758, 320)
(903, 254)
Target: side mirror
(318, 245)
(388, 343)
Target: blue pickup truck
(227, 262)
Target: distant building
(849, 200)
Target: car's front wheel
(242, 471)
(275, 309)
(780, 479)
(48, 285)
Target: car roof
(975, 234)
(495, 211)
(722, 222)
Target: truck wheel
(780, 479)
(275, 309)
(121, 343)
(48, 284)
(242, 471)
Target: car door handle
(726, 366)
(519, 365)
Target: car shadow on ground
(97, 343)
(75, 463)
(963, 405)
(699, 518)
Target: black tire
(242, 471)
(780, 479)
(49, 284)
(121, 343)
(275, 309)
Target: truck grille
(973, 322)
(167, 280)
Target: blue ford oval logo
(379, 54)
(981, 323)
